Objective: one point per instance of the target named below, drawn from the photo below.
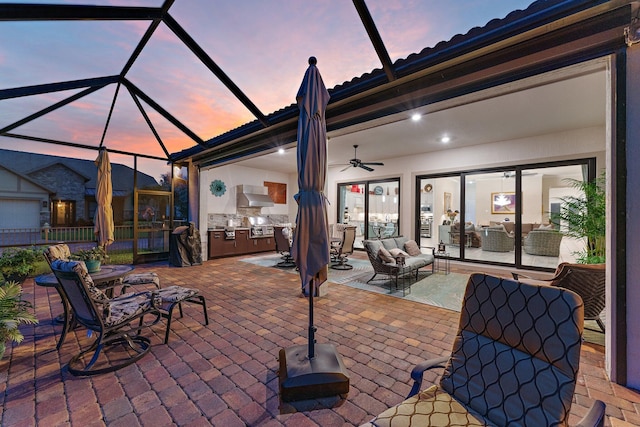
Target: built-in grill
(230, 233)
(262, 231)
(260, 227)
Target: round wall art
(217, 188)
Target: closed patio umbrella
(103, 219)
(311, 372)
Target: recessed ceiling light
(445, 139)
(416, 117)
(281, 150)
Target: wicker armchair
(586, 280)
(496, 239)
(542, 242)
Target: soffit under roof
(250, 41)
(187, 83)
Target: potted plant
(92, 257)
(584, 217)
(17, 263)
(14, 311)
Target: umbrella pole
(312, 329)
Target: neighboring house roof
(28, 178)
(121, 176)
(57, 162)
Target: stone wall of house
(69, 185)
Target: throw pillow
(395, 252)
(412, 248)
(385, 256)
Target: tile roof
(539, 13)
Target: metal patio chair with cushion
(61, 252)
(496, 239)
(514, 362)
(342, 252)
(586, 280)
(115, 321)
(283, 246)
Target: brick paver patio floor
(225, 374)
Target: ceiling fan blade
(367, 168)
(342, 170)
(373, 163)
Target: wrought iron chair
(514, 362)
(61, 252)
(586, 280)
(341, 253)
(113, 320)
(283, 247)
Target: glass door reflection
(351, 208)
(383, 209)
(490, 217)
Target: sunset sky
(262, 45)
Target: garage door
(15, 213)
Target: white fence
(49, 235)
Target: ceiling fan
(357, 163)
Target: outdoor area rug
(439, 289)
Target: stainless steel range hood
(252, 196)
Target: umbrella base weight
(303, 379)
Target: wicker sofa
(542, 242)
(392, 269)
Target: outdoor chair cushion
(385, 255)
(176, 293)
(412, 248)
(127, 306)
(396, 252)
(431, 407)
(80, 268)
(150, 278)
(115, 310)
(60, 251)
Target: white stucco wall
(233, 175)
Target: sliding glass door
(505, 216)
(372, 206)
(439, 209)
(490, 217)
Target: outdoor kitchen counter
(220, 246)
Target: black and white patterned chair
(514, 362)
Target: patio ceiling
(161, 77)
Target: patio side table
(442, 262)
